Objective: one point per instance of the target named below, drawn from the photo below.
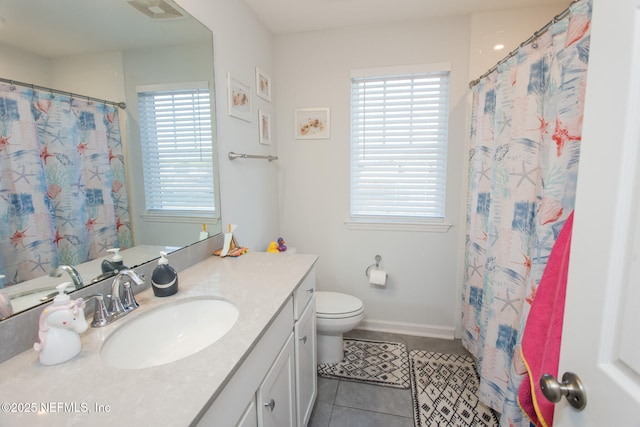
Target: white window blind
(399, 125)
(177, 149)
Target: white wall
(17, 65)
(96, 75)
(508, 27)
(313, 70)
(249, 191)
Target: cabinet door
(276, 398)
(306, 378)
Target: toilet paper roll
(378, 277)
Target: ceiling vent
(157, 9)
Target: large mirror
(108, 49)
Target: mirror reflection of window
(177, 149)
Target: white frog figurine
(60, 327)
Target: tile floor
(350, 404)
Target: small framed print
(263, 85)
(312, 123)
(239, 95)
(264, 123)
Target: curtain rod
(534, 37)
(72, 95)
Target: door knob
(571, 387)
(270, 404)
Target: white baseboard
(407, 329)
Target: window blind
(177, 149)
(399, 126)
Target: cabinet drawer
(303, 293)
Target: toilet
(336, 313)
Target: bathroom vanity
(260, 373)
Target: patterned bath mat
(445, 391)
(373, 362)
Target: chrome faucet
(75, 276)
(123, 279)
(118, 306)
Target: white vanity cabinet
(276, 385)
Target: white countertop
(85, 391)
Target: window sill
(399, 226)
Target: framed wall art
(312, 123)
(239, 95)
(263, 85)
(264, 123)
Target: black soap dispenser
(115, 264)
(164, 279)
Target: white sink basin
(169, 333)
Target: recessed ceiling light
(157, 9)
(498, 47)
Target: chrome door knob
(571, 387)
(270, 404)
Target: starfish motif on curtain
(95, 174)
(4, 142)
(483, 173)
(504, 122)
(22, 175)
(542, 128)
(91, 222)
(524, 175)
(508, 302)
(17, 238)
(57, 238)
(475, 268)
(39, 264)
(45, 154)
(82, 147)
(561, 136)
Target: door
(600, 340)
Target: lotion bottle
(164, 279)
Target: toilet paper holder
(376, 265)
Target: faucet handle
(116, 309)
(128, 300)
(101, 316)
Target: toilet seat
(335, 305)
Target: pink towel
(543, 331)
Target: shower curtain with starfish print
(62, 182)
(525, 143)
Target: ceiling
(54, 28)
(287, 16)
